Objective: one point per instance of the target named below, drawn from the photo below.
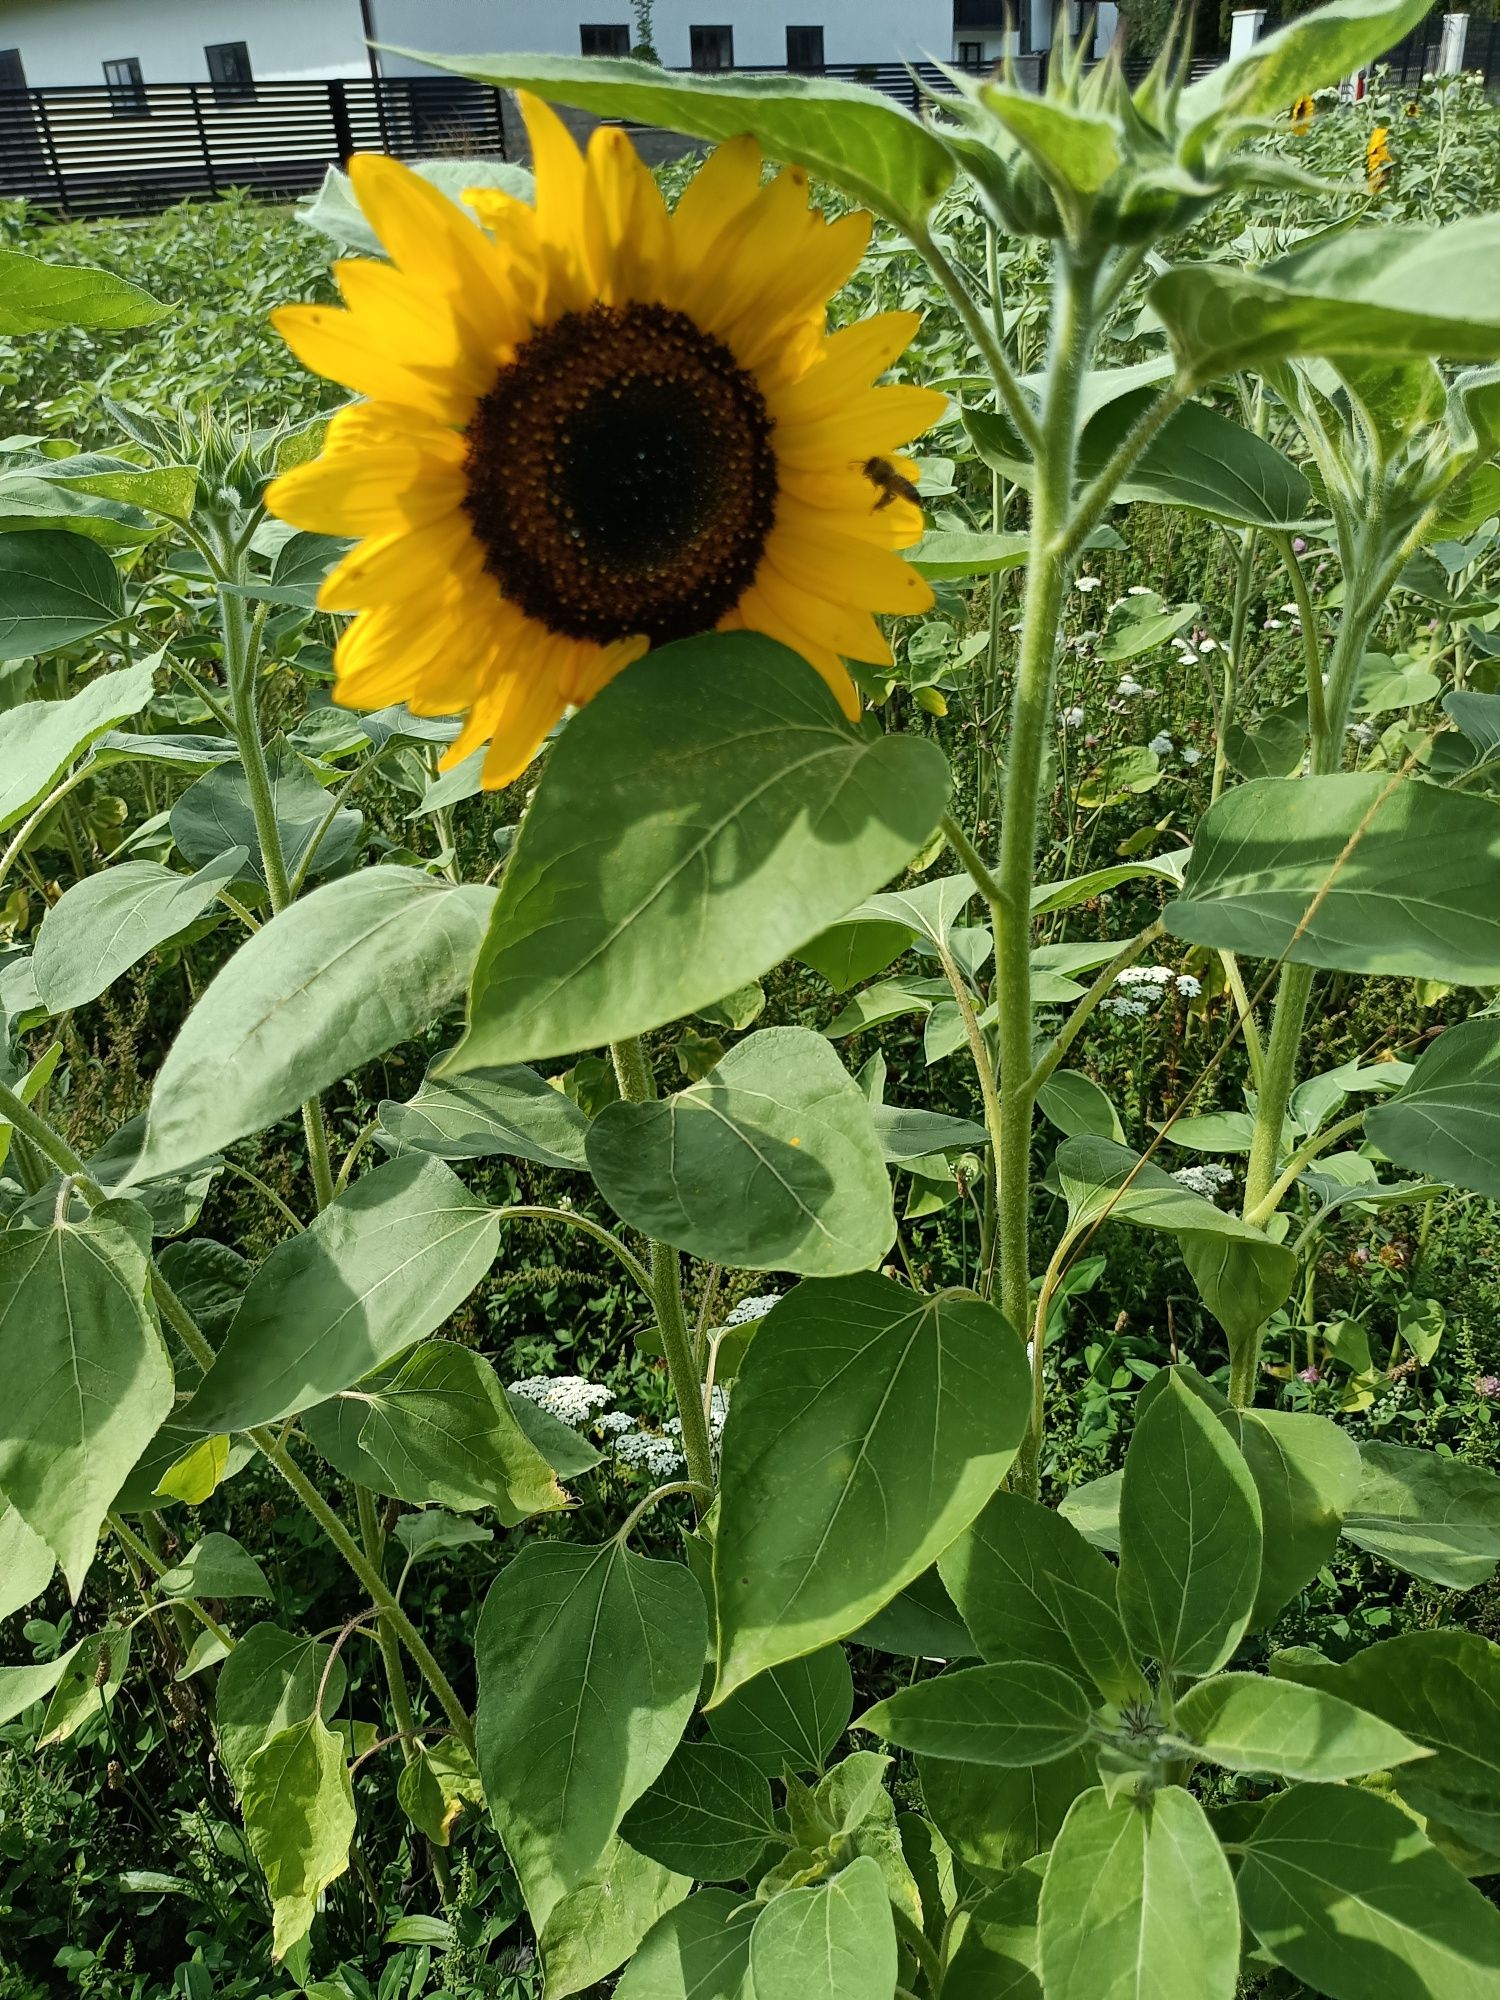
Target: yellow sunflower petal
(849, 571)
(346, 349)
(434, 242)
(849, 363)
(375, 492)
(387, 569)
(876, 421)
(722, 190)
(383, 655)
(629, 245)
(757, 616)
(561, 191)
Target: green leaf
(707, 814)
(792, 1714)
(35, 297)
(108, 922)
(708, 1815)
(26, 1562)
(1271, 747)
(919, 1623)
(216, 813)
(108, 500)
(299, 1819)
(1140, 624)
(1102, 1180)
(1442, 1689)
(21, 1686)
(1436, 1518)
(698, 1951)
(1199, 460)
(589, 1661)
(906, 1133)
(951, 554)
(1241, 1282)
(847, 954)
(268, 1684)
(836, 1941)
(1444, 1122)
(1074, 148)
(337, 978)
(215, 1566)
(87, 1376)
(1249, 1723)
(39, 740)
(770, 1163)
(94, 1671)
(1306, 1471)
(1078, 1107)
(490, 1111)
(55, 589)
(1138, 1901)
(597, 1925)
(1344, 1891)
(443, 1430)
(862, 140)
(998, 1952)
(433, 1532)
(1023, 1712)
(868, 1428)
(1269, 876)
(1320, 48)
(1190, 1535)
(380, 1269)
(1339, 296)
(1031, 1588)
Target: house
(232, 44)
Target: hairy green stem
(1049, 568)
(638, 1086)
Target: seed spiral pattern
(620, 476)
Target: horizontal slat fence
(92, 150)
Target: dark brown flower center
(621, 477)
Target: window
(804, 49)
(610, 39)
(12, 76)
(971, 55)
(127, 91)
(229, 72)
(713, 48)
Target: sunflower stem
(1048, 573)
(638, 1086)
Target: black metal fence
(1417, 56)
(93, 149)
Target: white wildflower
(1140, 590)
(1129, 686)
(1191, 756)
(613, 1423)
(1145, 975)
(656, 1456)
(749, 1309)
(1364, 733)
(1272, 625)
(1187, 986)
(1208, 1179)
(1127, 1010)
(1208, 645)
(1073, 718)
(568, 1397)
(1086, 583)
(1161, 744)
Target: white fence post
(1245, 24)
(1451, 50)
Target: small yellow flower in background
(1378, 158)
(1413, 110)
(591, 427)
(1303, 113)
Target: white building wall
(68, 41)
(854, 31)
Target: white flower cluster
(1147, 986)
(1191, 756)
(1208, 1179)
(568, 1397)
(645, 1451)
(1129, 687)
(1364, 733)
(1074, 718)
(1161, 744)
(749, 1309)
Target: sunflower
(1303, 113)
(1378, 158)
(592, 427)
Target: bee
(892, 486)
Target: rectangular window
(971, 55)
(12, 76)
(229, 72)
(804, 49)
(127, 89)
(607, 39)
(713, 48)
